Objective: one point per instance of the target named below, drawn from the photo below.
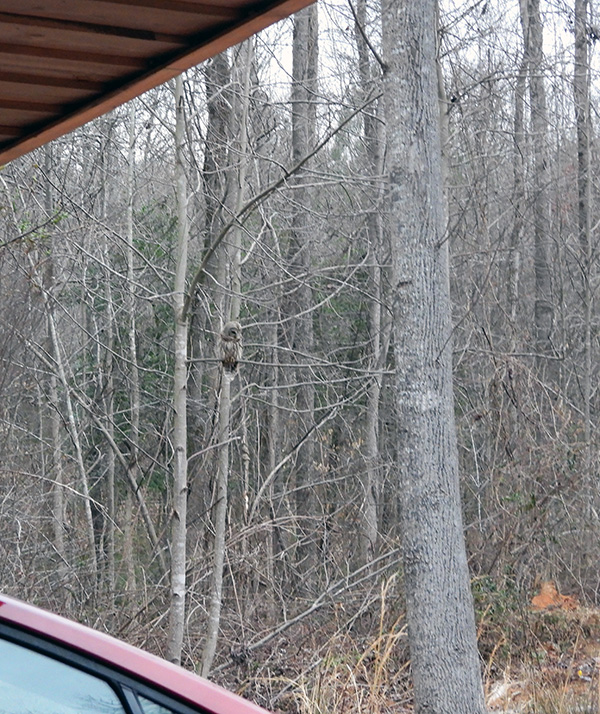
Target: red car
(49, 665)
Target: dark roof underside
(64, 62)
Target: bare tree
(299, 299)
(531, 21)
(445, 661)
(180, 481)
(133, 475)
(581, 90)
(379, 317)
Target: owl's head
(232, 331)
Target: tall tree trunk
(107, 396)
(581, 90)
(514, 267)
(304, 86)
(214, 176)
(180, 484)
(58, 481)
(220, 525)
(239, 117)
(379, 321)
(231, 258)
(58, 477)
(274, 449)
(533, 31)
(441, 624)
(60, 367)
(109, 411)
(75, 439)
(133, 476)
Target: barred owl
(230, 347)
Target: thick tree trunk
(305, 49)
(440, 616)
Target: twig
(29, 232)
(361, 29)
(251, 203)
(325, 598)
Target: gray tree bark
(533, 31)
(581, 91)
(230, 262)
(379, 320)
(134, 373)
(441, 624)
(220, 527)
(215, 176)
(514, 269)
(180, 483)
(54, 419)
(304, 79)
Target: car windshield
(32, 683)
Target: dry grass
(354, 674)
(535, 662)
(551, 664)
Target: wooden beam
(29, 20)
(80, 57)
(32, 106)
(215, 9)
(50, 81)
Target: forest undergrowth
(535, 660)
(541, 654)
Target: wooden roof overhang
(65, 62)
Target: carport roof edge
(65, 62)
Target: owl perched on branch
(230, 347)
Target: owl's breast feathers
(231, 347)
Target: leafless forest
(253, 189)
